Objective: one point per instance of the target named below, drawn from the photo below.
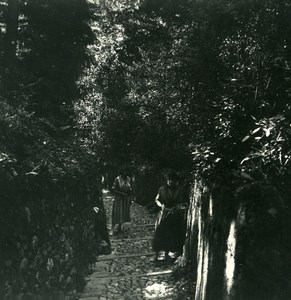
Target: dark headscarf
(172, 176)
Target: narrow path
(128, 273)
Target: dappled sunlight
(230, 257)
(210, 210)
(157, 290)
(205, 268)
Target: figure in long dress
(170, 227)
(123, 192)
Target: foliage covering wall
(49, 180)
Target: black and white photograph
(145, 150)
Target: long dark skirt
(100, 228)
(170, 231)
(121, 210)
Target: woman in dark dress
(171, 223)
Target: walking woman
(122, 190)
(171, 223)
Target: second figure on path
(171, 222)
(122, 190)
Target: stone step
(143, 225)
(95, 296)
(158, 273)
(112, 256)
(113, 240)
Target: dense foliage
(211, 77)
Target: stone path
(128, 273)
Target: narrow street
(128, 272)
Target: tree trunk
(11, 31)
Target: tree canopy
(208, 77)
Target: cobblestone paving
(128, 272)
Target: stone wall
(238, 242)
